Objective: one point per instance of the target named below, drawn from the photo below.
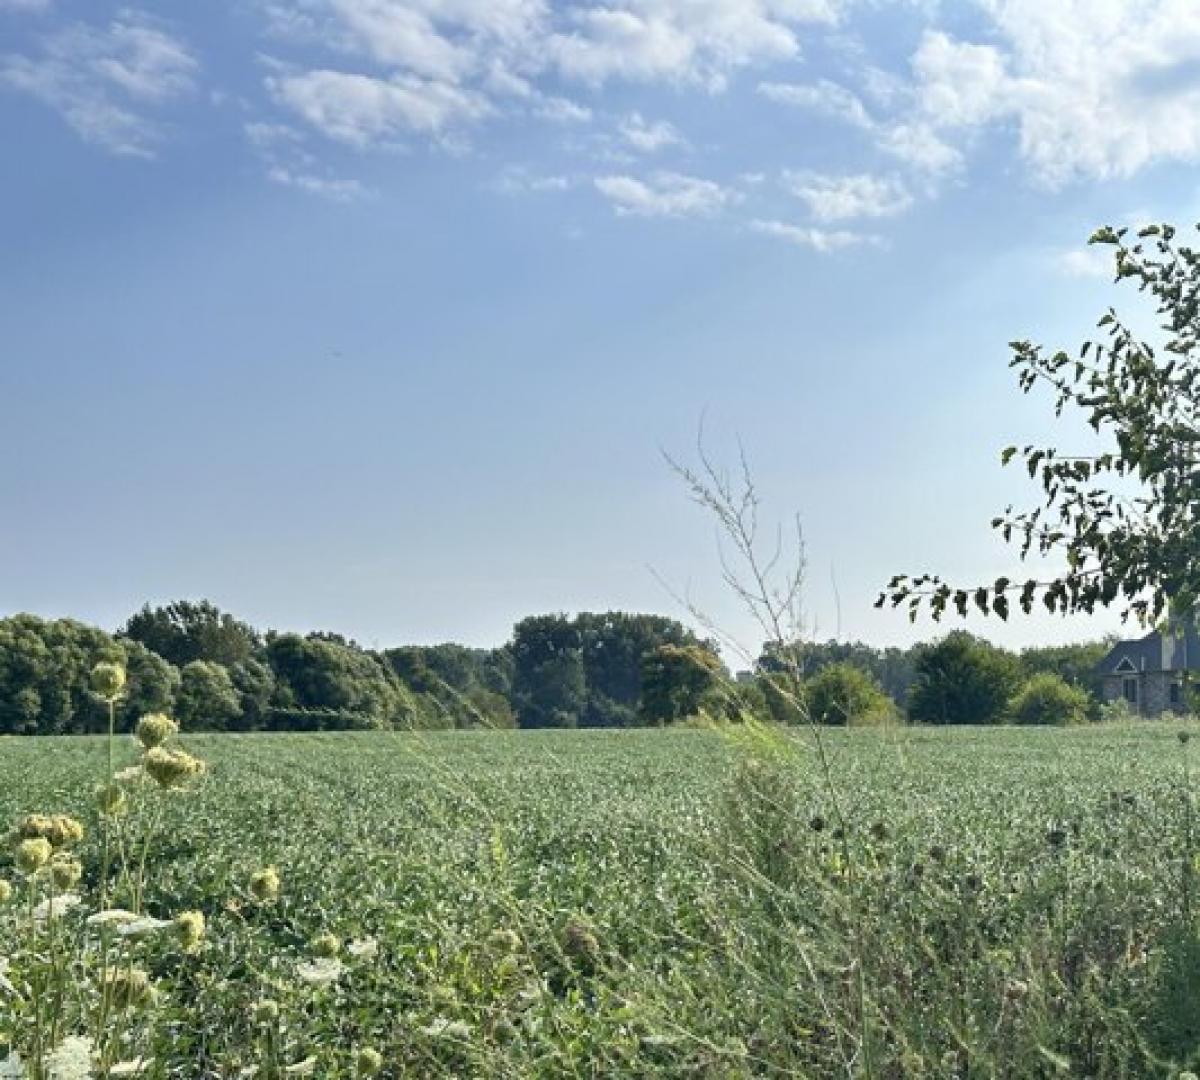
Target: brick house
(1150, 673)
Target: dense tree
(962, 679)
(1122, 520)
(193, 630)
(843, 694)
(891, 667)
(316, 673)
(44, 671)
(207, 698)
(677, 680)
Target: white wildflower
(71, 1059)
(111, 916)
(55, 907)
(302, 1068)
(363, 948)
(134, 1067)
(5, 983)
(441, 1028)
(143, 926)
(321, 972)
(132, 775)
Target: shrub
(1049, 699)
(962, 679)
(1117, 712)
(845, 695)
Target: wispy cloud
(823, 97)
(648, 137)
(664, 194)
(822, 241)
(101, 80)
(842, 198)
(343, 191)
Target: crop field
(957, 903)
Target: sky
(378, 316)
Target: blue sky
(373, 315)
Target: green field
(677, 903)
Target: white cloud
(359, 109)
(1091, 262)
(840, 198)
(649, 137)
(664, 194)
(563, 111)
(98, 80)
(1092, 88)
(518, 180)
(819, 240)
(919, 146)
(342, 191)
(823, 96)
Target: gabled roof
(1177, 650)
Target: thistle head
(265, 1011)
(369, 1062)
(108, 680)
(65, 872)
(128, 988)
(264, 885)
(154, 729)
(326, 945)
(33, 854)
(110, 800)
(171, 768)
(189, 930)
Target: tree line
(215, 672)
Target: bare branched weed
(765, 569)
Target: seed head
(265, 1011)
(58, 830)
(172, 768)
(110, 800)
(580, 944)
(369, 1062)
(189, 929)
(128, 987)
(65, 872)
(108, 680)
(326, 945)
(6, 891)
(33, 854)
(154, 729)
(264, 885)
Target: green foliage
(193, 630)
(962, 679)
(1122, 521)
(207, 699)
(677, 681)
(325, 674)
(892, 668)
(1049, 699)
(841, 694)
(639, 903)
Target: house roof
(1177, 650)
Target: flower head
(6, 891)
(265, 1011)
(110, 799)
(154, 729)
(264, 885)
(58, 829)
(65, 872)
(369, 1061)
(71, 1059)
(189, 929)
(172, 768)
(108, 680)
(33, 854)
(321, 972)
(128, 987)
(326, 945)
